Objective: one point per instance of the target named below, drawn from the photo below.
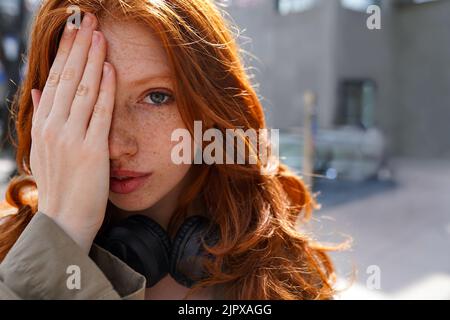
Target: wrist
(84, 241)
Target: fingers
(87, 91)
(100, 122)
(72, 71)
(48, 93)
(80, 90)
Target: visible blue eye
(157, 98)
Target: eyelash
(169, 98)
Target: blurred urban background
(364, 116)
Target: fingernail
(88, 20)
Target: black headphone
(145, 246)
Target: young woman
(100, 104)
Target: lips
(125, 181)
(127, 174)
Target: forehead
(134, 50)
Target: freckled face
(145, 114)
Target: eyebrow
(153, 77)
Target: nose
(122, 142)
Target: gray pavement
(402, 229)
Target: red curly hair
(265, 254)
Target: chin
(130, 202)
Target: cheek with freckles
(153, 127)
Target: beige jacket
(44, 260)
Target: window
(356, 103)
(412, 2)
(359, 5)
(286, 7)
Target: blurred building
(396, 78)
(15, 16)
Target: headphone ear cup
(188, 255)
(141, 243)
